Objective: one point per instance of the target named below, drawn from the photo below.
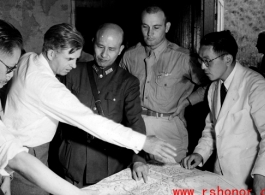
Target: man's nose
(104, 53)
(203, 66)
(9, 75)
(73, 65)
(150, 32)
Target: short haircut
(10, 37)
(222, 42)
(154, 9)
(262, 35)
(63, 36)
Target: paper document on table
(162, 180)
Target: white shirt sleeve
(59, 103)
(9, 148)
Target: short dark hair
(10, 37)
(63, 36)
(261, 36)
(222, 42)
(154, 9)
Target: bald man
(86, 159)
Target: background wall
(33, 18)
(245, 19)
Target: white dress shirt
(37, 101)
(9, 147)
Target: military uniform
(168, 76)
(87, 160)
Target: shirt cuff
(137, 141)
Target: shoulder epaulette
(138, 45)
(178, 48)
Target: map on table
(162, 180)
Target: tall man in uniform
(37, 101)
(87, 160)
(167, 79)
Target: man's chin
(62, 74)
(210, 77)
(149, 43)
(103, 65)
(213, 79)
(66, 72)
(2, 84)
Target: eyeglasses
(207, 62)
(8, 68)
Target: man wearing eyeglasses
(235, 125)
(6, 74)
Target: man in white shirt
(235, 125)
(13, 156)
(37, 101)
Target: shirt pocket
(164, 80)
(113, 104)
(166, 85)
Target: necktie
(223, 93)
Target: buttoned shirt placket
(149, 63)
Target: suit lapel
(232, 93)
(214, 103)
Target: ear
(228, 59)
(121, 48)
(50, 54)
(168, 24)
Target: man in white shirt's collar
(13, 155)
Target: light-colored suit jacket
(238, 130)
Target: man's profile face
(154, 28)
(217, 68)
(107, 47)
(63, 62)
(10, 60)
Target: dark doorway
(124, 13)
(185, 19)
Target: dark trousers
(20, 185)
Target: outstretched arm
(35, 171)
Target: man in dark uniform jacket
(85, 159)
